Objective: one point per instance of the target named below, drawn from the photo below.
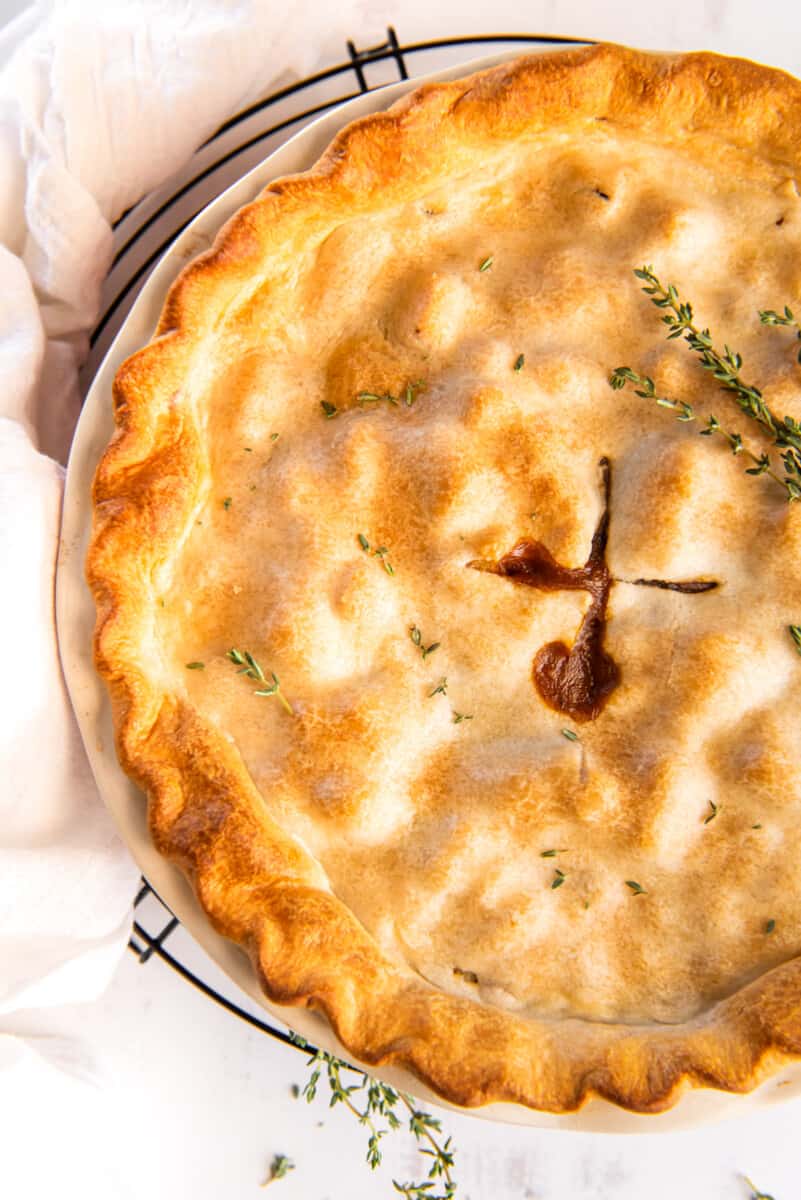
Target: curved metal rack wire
(143, 234)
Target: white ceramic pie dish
(75, 615)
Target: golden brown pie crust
(257, 884)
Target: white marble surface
(197, 1101)
(202, 1102)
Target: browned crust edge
(255, 883)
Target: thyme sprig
(441, 688)
(725, 368)
(646, 388)
(374, 1105)
(714, 809)
(768, 317)
(250, 668)
(279, 1167)
(417, 640)
(379, 552)
(756, 1194)
(408, 396)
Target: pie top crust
(379, 859)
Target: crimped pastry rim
(467, 1053)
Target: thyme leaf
(520, 362)
(570, 735)
(770, 925)
(459, 717)
(714, 809)
(410, 395)
(795, 634)
(330, 410)
(195, 666)
(467, 976)
(558, 878)
(635, 887)
(486, 263)
(440, 689)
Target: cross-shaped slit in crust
(579, 679)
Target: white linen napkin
(99, 103)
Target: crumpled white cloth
(99, 103)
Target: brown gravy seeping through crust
(579, 679)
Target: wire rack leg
(389, 48)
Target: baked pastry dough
(488, 861)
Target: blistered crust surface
(379, 859)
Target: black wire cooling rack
(143, 234)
